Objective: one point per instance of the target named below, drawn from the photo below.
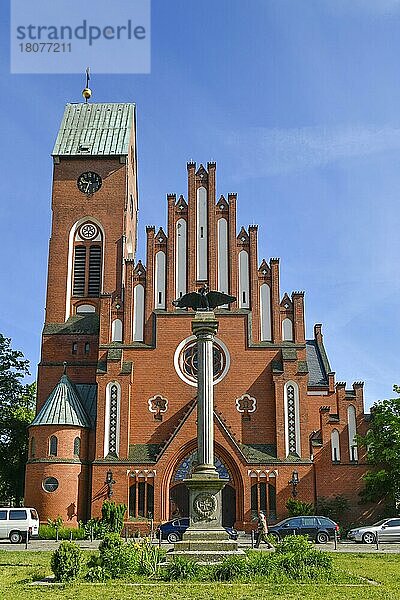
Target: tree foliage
(382, 441)
(17, 402)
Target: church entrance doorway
(179, 495)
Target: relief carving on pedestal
(205, 506)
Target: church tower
(116, 408)
(94, 223)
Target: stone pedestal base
(205, 540)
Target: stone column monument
(205, 540)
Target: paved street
(244, 542)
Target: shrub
(334, 508)
(112, 521)
(148, 557)
(297, 507)
(298, 559)
(96, 573)
(230, 569)
(67, 562)
(117, 558)
(262, 565)
(113, 515)
(97, 528)
(48, 532)
(111, 541)
(297, 544)
(57, 522)
(181, 568)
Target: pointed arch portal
(179, 496)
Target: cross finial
(87, 92)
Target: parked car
(387, 530)
(172, 531)
(16, 522)
(318, 529)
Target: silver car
(386, 530)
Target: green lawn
(18, 569)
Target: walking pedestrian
(262, 530)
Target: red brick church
(116, 408)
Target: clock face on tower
(89, 182)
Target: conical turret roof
(63, 407)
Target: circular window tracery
(186, 360)
(50, 484)
(185, 468)
(88, 231)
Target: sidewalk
(244, 542)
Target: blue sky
(298, 102)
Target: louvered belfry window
(79, 270)
(94, 271)
(87, 262)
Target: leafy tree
(382, 441)
(17, 402)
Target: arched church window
(77, 446)
(141, 499)
(335, 445)
(53, 445)
(33, 447)
(138, 313)
(85, 308)
(263, 497)
(352, 427)
(112, 418)
(116, 330)
(287, 330)
(186, 466)
(292, 423)
(87, 263)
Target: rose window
(186, 361)
(88, 231)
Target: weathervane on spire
(87, 92)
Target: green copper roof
(95, 130)
(63, 407)
(84, 323)
(144, 453)
(259, 453)
(88, 395)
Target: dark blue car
(172, 531)
(318, 529)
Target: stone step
(205, 557)
(205, 534)
(205, 545)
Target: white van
(16, 522)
